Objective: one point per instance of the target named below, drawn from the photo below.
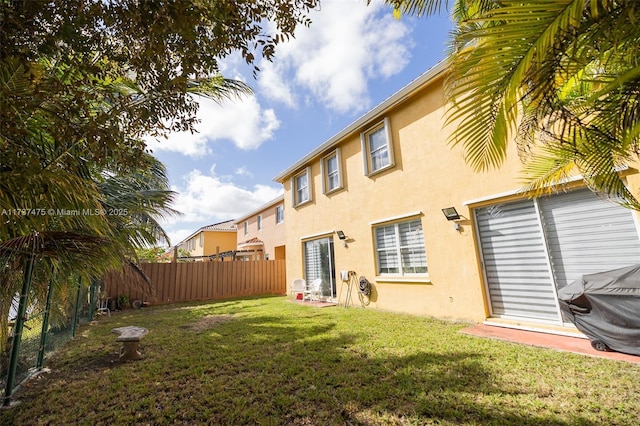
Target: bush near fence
(199, 281)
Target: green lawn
(268, 361)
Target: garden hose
(364, 291)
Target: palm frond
(416, 7)
(490, 75)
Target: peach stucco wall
(272, 234)
(428, 175)
(214, 242)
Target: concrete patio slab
(546, 340)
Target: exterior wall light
(451, 213)
(341, 235)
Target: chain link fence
(45, 327)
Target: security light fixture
(341, 235)
(451, 213)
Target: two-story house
(210, 240)
(389, 199)
(261, 233)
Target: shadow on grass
(330, 382)
(293, 367)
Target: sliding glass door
(319, 263)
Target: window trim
(246, 227)
(324, 171)
(259, 222)
(294, 188)
(366, 155)
(281, 208)
(399, 276)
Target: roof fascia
(201, 230)
(259, 209)
(389, 103)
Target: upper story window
(259, 222)
(246, 227)
(302, 187)
(331, 172)
(377, 149)
(280, 213)
(400, 249)
(201, 239)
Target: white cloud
(243, 171)
(186, 143)
(347, 45)
(242, 121)
(208, 198)
(271, 79)
(178, 235)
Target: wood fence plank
(200, 285)
(193, 281)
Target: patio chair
(299, 286)
(102, 306)
(315, 289)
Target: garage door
(531, 247)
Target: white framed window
(377, 149)
(302, 187)
(400, 249)
(331, 172)
(259, 222)
(201, 242)
(280, 213)
(246, 227)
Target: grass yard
(268, 361)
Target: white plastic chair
(102, 306)
(299, 286)
(315, 289)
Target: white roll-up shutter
(515, 262)
(528, 251)
(586, 234)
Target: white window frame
(279, 213)
(324, 170)
(201, 240)
(294, 187)
(259, 222)
(385, 125)
(246, 227)
(399, 249)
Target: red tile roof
(253, 240)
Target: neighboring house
(384, 180)
(211, 240)
(261, 233)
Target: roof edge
(259, 209)
(385, 105)
(202, 229)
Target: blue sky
(351, 58)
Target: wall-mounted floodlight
(451, 213)
(341, 235)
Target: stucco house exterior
(382, 183)
(210, 240)
(261, 233)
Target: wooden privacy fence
(193, 281)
